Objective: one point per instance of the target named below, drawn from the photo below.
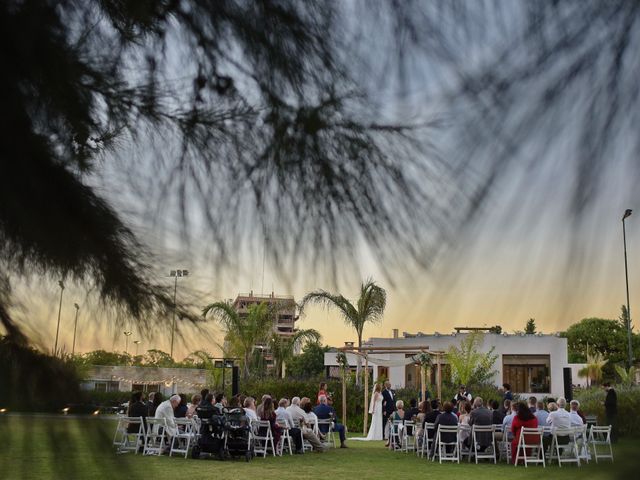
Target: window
(527, 373)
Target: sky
(524, 254)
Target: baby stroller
(212, 433)
(238, 439)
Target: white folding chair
(490, 451)
(181, 441)
(409, 438)
(582, 437)
(285, 437)
(426, 440)
(504, 445)
(449, 450)
(155, 442)
(129, 442)
(600, 441)
(396, 433)
(530, 447)
(563, 446)
(464, 432)
(329, 439)
(262, 438)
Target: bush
(592, 403)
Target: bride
(375, 409)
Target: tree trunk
(359, 361)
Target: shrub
(592, 403)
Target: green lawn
(71, 448)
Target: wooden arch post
(366, 393)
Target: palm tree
(627, 377)
(593, 369)
(283, 348)
(368, 309)
(243, 332)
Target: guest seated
(559, 417)
(165, 410)
(533, 401)
(181, 409)
(412, 411)
(283, 415)
(481, 416)
(497, 416)
(267, 412)
(430, 417)
(137, 408)
(523, 419)
(508, 420)
(325, 412)
(577, 420)
(424, 408)
(447, 417)
(302, 415)
(195, 402)
(221, 402)
(155, 399)
(250, 408)
(464, 414)
(541, 414)
(203, 397)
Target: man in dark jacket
(447, 417)
(137, 408)
(481, 416)
(611, 409)
(388, 406)
(325, 412)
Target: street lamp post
(176, 274)
(75, 328)
(55, 345)
(627, 213)
(127, 334)
(137, 342)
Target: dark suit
(445, 419)
(137, 409)
(482, 416)
(388, 407)
(324, 412)
(431, 417)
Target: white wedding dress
(375, 430)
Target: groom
(388, 406)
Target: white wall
(552, 345)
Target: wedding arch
(418, 355)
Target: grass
(80, 448)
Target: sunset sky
(523, 256)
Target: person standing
(388, 407)
(611, 409)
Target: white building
(531, 364)
(109, 378)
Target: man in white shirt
(165, 410)
(576, 419)
(299, 418)
(284, 416)
(296, 413)
(250, 409)
(558, 416)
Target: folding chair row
(130, 434)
